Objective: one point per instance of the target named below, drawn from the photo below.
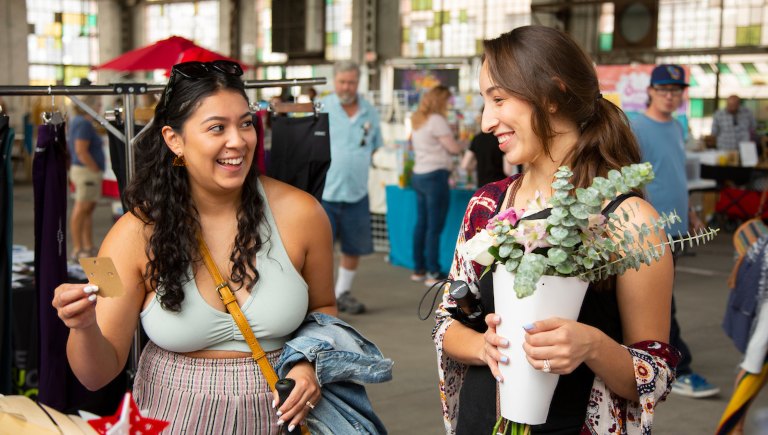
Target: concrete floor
(410, 404)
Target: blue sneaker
(694, 386)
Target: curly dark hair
(159, 195)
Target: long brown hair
(545, 67)
(433, 101)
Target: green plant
(576, 239)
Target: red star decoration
(128, 420)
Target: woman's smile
(231, 164)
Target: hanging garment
(258, 124)
(58, 386)
(6, 241)
(49, 177)
(117, 155)
(301, 152)
(747, 389)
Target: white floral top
(607, 412)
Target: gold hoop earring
(179, 161)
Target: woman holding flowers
(543, 103)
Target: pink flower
(532, 234)
(509, 216)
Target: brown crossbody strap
(231, 303)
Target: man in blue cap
(662, 143)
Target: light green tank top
(275, 308)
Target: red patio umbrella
(163, 54)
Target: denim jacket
(344, 361)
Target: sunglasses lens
(228, 67)
(191, 69)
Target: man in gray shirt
(733, 124)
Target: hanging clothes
(49, 177)
(258, 124)
(58, 386)
(6, 242)
(301, 152)
(117, 155)
(746, 390)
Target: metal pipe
(110, 89)
(104, 123)
(130, 170)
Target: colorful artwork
(424, 78)
(418, 80)
(629, 83)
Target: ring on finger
(547, 367)
(309, 405)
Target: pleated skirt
(205, 396)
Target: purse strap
(226, 295)
(230, 302)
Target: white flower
(537, 204)
(477, 247)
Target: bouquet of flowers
(576, 240)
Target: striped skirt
(205, 396)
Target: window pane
(64, 34)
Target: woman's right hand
(76, 304)
(491, 345)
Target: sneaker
(418, 276)
(348, 304)
(695, 386)
(432, 279)
(82, 253)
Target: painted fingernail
(92, 298)
(280, 422)
(279, 413)
(528, 327)
(291, 428)
(496, 318)
(274, 403)
(498, 379)
(504, 359)
(90, 289)
(504, 342)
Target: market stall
(401, 220)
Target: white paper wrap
(526, 393)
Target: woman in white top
(433, 145)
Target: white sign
(748, 153)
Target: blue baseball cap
(668, 75)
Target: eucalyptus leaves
(576, 239)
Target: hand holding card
(101, 271)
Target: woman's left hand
(305, 393)
(562, 344)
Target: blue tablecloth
(401, 219)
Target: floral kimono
(607, 412)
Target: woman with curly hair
(196, 175)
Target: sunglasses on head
(197, 70)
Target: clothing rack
(128, 91)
